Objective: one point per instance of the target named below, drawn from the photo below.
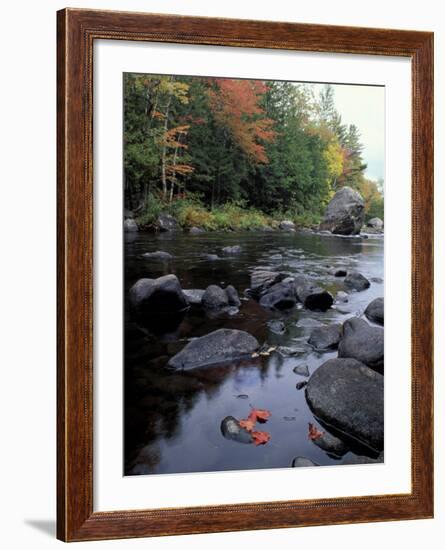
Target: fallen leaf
(260, 414)
(255, 354)
(260, 438)
(247, 424)
(314, 432)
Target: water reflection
(173, 419)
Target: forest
(217, 152)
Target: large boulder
(362, 342)
(325, 338)
(165, 223)
(261, 280)
(375, 311)
(345, 213)
(375, 223)
(130, 225)
(215, 297)
(287, 225)
(194, 296)
(356, 281)
(348, 395)
(279, 296)
(218, 347)
(162, 295)
(312, 296)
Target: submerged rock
(356, 281)
(261, 280)
(280, 296)
(360, 459)
(342, 297)
(152, 296)
(345, 213)
(130, 225)
(277, 327)
(301, 385)
(301, 370)
(326, 338)
(348, 395)
(362, 342)
(375, 311)
(229, 250)
(302, 462)
(211, 257)
(217, 347)
(231, 429)
(158, 255)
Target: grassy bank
(190, 212)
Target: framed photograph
(245, 230)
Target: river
(172, 420)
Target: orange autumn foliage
(256, 415)
(314, 432)
(236, 106)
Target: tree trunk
(164, 147)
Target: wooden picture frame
(77, 31)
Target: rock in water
(229, 250)
(217, 347)
(348, 395)
(196, 231)
(130, 225)
(375, 223)
(231, 429)
(194, 296)
(287, 225)
(162, 295)
(215, 297)
(280, 296)
(325, 338)
(158, 255)
(165, 223)
(312, 296)
(362, 342)
(211, 257)
(375, 311)
(345, 213)
(356, 281)
(232, 296)
(261, 280)
(331, 444)
(342, 297)
(302, 462)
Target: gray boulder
(279, 296)
(166, 223)
(362, 342)
(356, 281)
(375, 311)
(162, 295)
(312, 296)
(194, 296)
(196, 230)
(375, 223)
(230, 250)
(345, 213)
(232, 296)
(331, 444)
(261, 280)
(348, 395)
(231, 429)
(287, 225)
(326, 338)
(158, 255)
(130, 225)
(214, 297)
(219, 346)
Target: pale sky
(364, 106)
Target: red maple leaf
(314, 432)
(260, 438)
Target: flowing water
(173, 419)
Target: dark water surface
(172, 420)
